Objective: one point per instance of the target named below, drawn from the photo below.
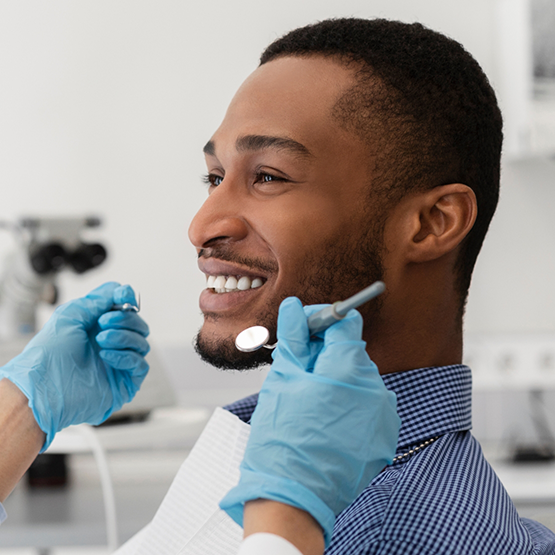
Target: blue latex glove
(325, 424)
(85, 363)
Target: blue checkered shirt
(444, 498)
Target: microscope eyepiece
(48, 258)
(87, 256)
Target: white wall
(513, 288)
(106, 104)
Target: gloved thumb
(124, 294)
(86, 310)
(292, 333)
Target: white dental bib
(189, 520)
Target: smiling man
(280, 218)
(290, 210)
(329, 172)
(363, 150)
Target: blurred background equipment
(29, 277)
(45, 247)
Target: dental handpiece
(255, 337)
(324, 318)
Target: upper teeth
(225, 284)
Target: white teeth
(223, 284)
(244, 283)
(219, 283)
(231, 283)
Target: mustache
(226, 254)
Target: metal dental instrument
(255, 337)
(129, 307)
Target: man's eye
(212, 179)
(267, 178)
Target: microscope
(45, 247)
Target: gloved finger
(123, 340)
(117, 319)
(128, 382)
(294, 347)
(132, 383)
(125, 294)
(128, 361)
(347, 362)
(292, 327)
(86, 310)
(343, 356)
(291, 324)
(311, 309)
(348, 329)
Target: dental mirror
(128, 307)
(252, 339)
(255, 337)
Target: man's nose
(219, 218)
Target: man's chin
(223, 354)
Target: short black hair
(422, 103)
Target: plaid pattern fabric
(445, 498)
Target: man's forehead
(285, 104)
(312, 78)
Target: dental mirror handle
(324, 318)
(128, 307)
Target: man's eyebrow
(261, 142)
(209, 148)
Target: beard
(336, 272)
(223, 354)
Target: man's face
(288, 211)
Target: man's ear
(439, 220)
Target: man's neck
(433, 337)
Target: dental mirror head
(252, 339)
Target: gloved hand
(85, 363)
(325, 424)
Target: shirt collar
(431, 402)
